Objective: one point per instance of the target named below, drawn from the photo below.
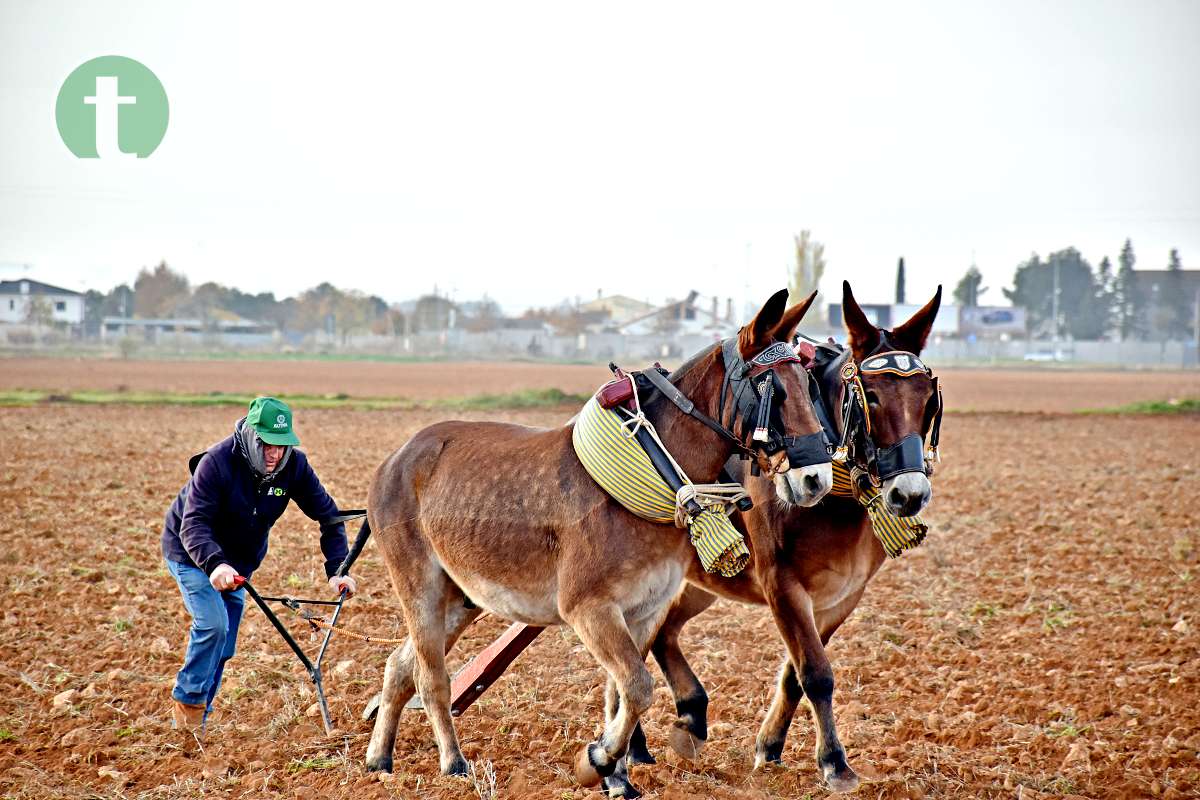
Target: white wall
(14, 307)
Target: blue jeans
(212, 638)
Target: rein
(757, 394)
(681, 401)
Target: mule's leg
(639, 748)
(768, 748)
(788, 692)
(792, 609)
(689, 732)
(398, 687)
(617, 784)
(601, 627)
(426, 620)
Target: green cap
(272, 421)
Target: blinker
(894, 362)
(807, 450)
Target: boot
(189, 718)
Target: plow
(468, 684)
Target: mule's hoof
(619, 786)
(766, 761)
(587, 771)
(685, 743)
(640, 754)
(769, 754)
(457, 767)
(840, 782)
(372, 708)
(381, 764)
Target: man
(217, 529)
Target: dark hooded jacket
(224, 513)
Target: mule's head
(901, 396)
(792, 446)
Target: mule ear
(862, 335)
(912, 335)
(754, 338)
(785, 331)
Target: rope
(321, 622)
(707, 495)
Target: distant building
(618, 307)
(16, 298)
(991, 322)
(694, 314)
(151, 330)
(889, 316)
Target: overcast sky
(541, 151)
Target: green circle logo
(111, 107)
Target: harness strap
(672, 393)
(935, 431)
(690, 504)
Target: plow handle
(360, 541)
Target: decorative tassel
(761, 434)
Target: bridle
(855, 442)
(757, 394)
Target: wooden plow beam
(483, 670)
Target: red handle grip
(238, 581)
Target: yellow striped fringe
(621, 467)
(896, 534)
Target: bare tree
(158, 292)
(805, 274)
(39, 312)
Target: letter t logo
(106, 100)
(90, 116)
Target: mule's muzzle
(907, 494)
(805, 486)
(906, 455)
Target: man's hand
(340, 582)
(222, 578)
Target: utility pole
(1196, 327)
(1054, 307)
(742, 317)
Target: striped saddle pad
(896, 534)
(621, 467)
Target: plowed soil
(1043, 642)
(965, 389)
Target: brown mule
(505, 516)
(810, 565)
